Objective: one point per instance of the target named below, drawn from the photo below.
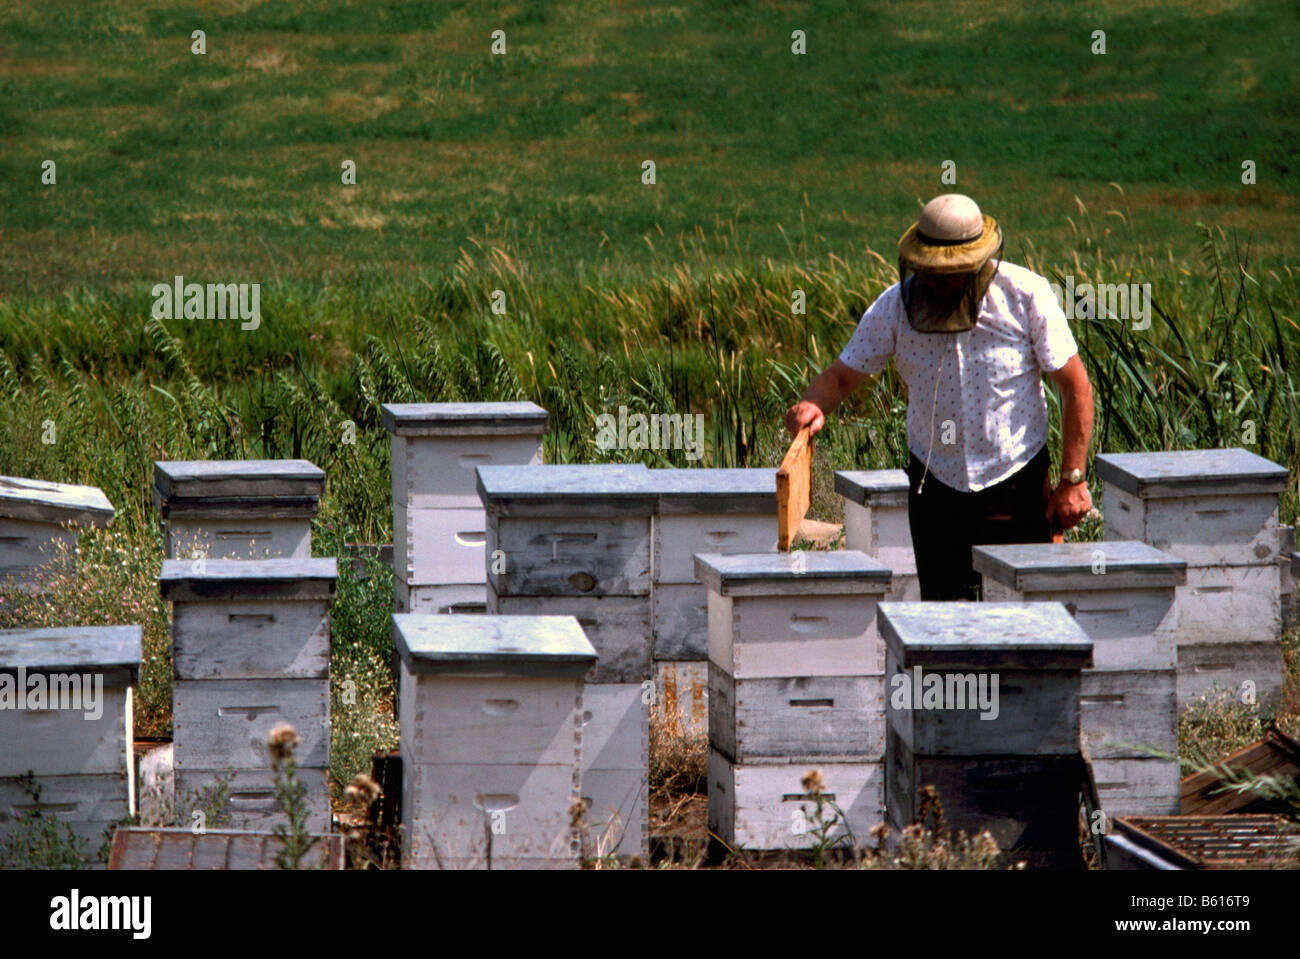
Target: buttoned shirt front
(976, 409)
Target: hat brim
(917, 254)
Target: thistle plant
(828, 826)
(291, 793)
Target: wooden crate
(1030, 804)
(617, 626)
(1137, 786)
(181, 849)
(439, 546)
(570, 556)
(1228, 666)
(436, 598)
(436, 447)
(679, 614)
(1200, 842)
(875, 516)
(1208, 507)
(449, 812)
(1118, 707)
(251, 801)
(1203, 793)
(84, 671)
(814, 718)
(782, 614)
(762, 806)
(1121, 592)
(1230, 604)
(221, 723)
(266, 639)
(240, 580)
(28, 547)
(616, 726)
(1029, 654)
(710, 511)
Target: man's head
(945, 264)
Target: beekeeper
(971, 335)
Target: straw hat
(951, 236)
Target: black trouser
(946, 523)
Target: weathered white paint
(251, 801)
(456, 598)
(618, 814)
(490, 719)
(237, 537)
(575, 556)
(1201, 667)
(678, 538)
(1137, 707)
(615, 726)
(438, 472)
(680, 619)
(1137, 787)
(89, 803)
(1204, 530)
(64, 742)
(439, 546)
(251, 640)
(220, 723)
(765, 806)
(775, 636)
(1230, 604)
(822, 718)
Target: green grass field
(523, 173)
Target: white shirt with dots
(981, 389)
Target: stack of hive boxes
(795, 683)
(984, 708)
(251, 650)
(38, 525)
(439, 564)
(699, 511)
(1122, 594)
(491, 739)
(250, 630)
(237, 509)
(575, 541)
(875, 522)
(66, 726)
(1218, 510)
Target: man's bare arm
(823, 396)
(1071, 503)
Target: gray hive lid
(684, 491)
(873, 487)
(1191, 473)
(977, 635)
(114, 651)
(294, 486)
(217, 579)
(462, 419)
(591, 489)
(45, 502)
(1110, 564)
(798, 572)
(451, 643)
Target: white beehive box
(1251, 672)
(1209, 507)
(491, 739)
(439, 598)
(39, 521)
(1029, 654)
(681, 695)
(875, 516)
(805, 613)
(615, 767)
(66, 724)
(251, 651)
(238, 509)
(1137, 786)
(702, 511)
(436, 448)
(439, 546)
(1121, 592)
(765, 805)
(250, 795)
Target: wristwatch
(1074, 477)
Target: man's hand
(1069, 504)
(804, 414)
(823, 395)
